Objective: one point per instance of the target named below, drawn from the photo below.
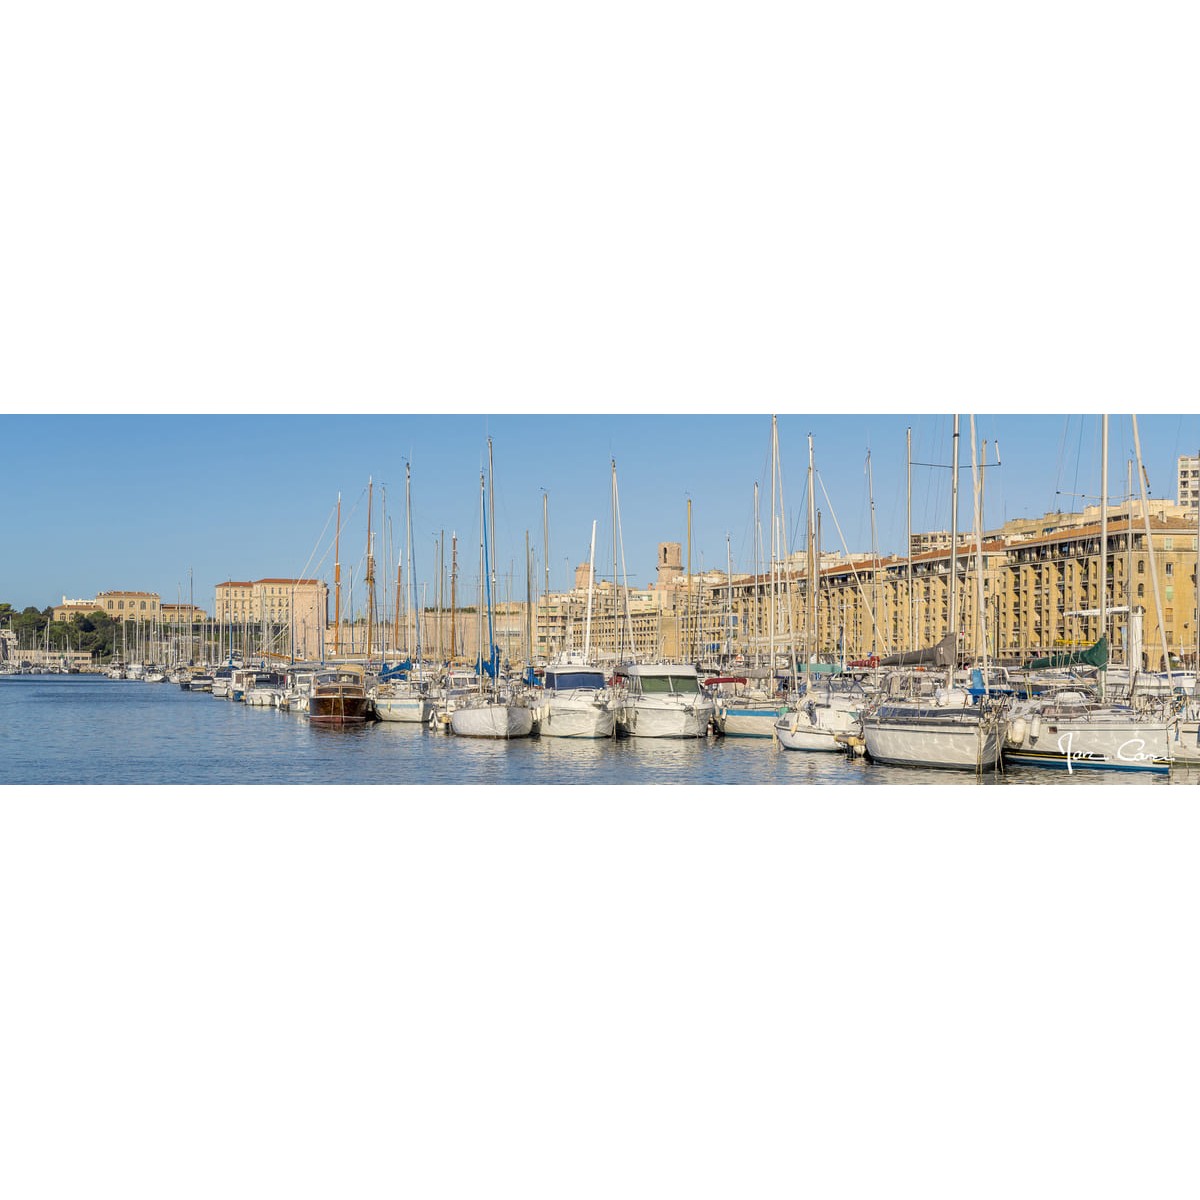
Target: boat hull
(576, 718)
(751, 722)
(647, 718)
(813, 738)
(817, 728)
(410, 709)
(501, 721)
(1095, 745)
(949, 744)
(338, 710)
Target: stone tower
(670, 562)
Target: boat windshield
(662, 685)
(562, 681)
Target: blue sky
(136, 501)
(431, 212)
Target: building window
(1141, 590)
(143, 606)
(1141, 566)
(120, 603)
(1170, 568)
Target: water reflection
(85, 729)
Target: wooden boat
(339, 696)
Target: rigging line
(850, 559)
(312, 553)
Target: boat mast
(774, 574)
(491, 495)
(528, 606)
(337, 582)
(370, 570)
(411, 605)
(1158, 608)
(616, 632)
(912, 631)
(812, 564)
(980, 614)
(546, 558)
(728, 602)
(757, 576)
(687, 605)
(620, 538)
(396, 616)
(876, 632)
(453, 595)
(409, 595)
(816, 608)
(482, 581)
(441, 593)
(1103, 585)
(954, 544)
(587, 626)
(1130, 667)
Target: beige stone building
(130, 606)
(1039, 593)
(274, 616)
(183, 614)
(71, 608)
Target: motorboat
(576, 700)
(339, 696)
(662, 700)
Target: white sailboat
(825, 715)
(755, 714)
(1080, 729)
(576, 701)
(407, 699)
(952, 729)
(498, 711)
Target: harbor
(82, 730)
(1065, 643)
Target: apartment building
(1029, 589)
(1033, 595)
(1188, 485)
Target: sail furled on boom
(941, 655)
(1095, 655)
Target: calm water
(83, 729)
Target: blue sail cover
(398, 670)
(491, 668)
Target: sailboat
(577, 702)
(495, 710)
(1077, 727)
(954, 728)
(828, 711)
(755, 714)
(398, 696)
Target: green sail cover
(1093, 656)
